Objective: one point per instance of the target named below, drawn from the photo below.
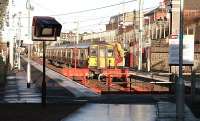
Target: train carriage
(93, 56)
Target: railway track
(117, 85)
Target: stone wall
(159, 59)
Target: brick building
(159, 48)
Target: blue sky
(89, 21)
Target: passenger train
(93, 56)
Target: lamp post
(77, 41)
(180, 92)
(19, 41)
(28, 7)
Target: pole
(77, 41)
(123, 25)
(149, 37)
(180, 84)
(19, 41)
(141, 33)
(11, 46)
(28, 6)
(44, 75)
(77, 33)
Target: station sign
(188, 50)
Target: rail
(136, 85)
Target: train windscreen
(93, 51)
(110, 52)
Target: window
(110, 52)
(93, 52)
(68, 54)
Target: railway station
(120, 60)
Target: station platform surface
(16, 90)
(161, 111)
(75, 88)
(149, 75)
(102, 108)
(157, 77)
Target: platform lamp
(45, 28)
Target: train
(97, 56)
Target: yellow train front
(101, 56)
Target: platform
(161, 111)
(75, 88)
(16, 90)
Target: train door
(78, 59)
(102, 57)
(110, 60)
(57, 55)
(93, 52)
(60, 58)
(65, 59)
(75, 57)
(86, 58)
(49, 53)
(69, 57)
(54, 54)
(81, 57)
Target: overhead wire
(82, 11)
(93, 9)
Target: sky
(88, 21)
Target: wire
(145, 10)
(86, 20)
(93, 9)
(41, 6)
(86, 26)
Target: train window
(86, 52)
(110, 52)
(82, 55)
(64, 52)
(93, 52)
(68, 54)
(60, 52)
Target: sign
(173, 51)
(188, 50)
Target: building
(107, 36)
(126, 27)
(160, 35)
(68, 38)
